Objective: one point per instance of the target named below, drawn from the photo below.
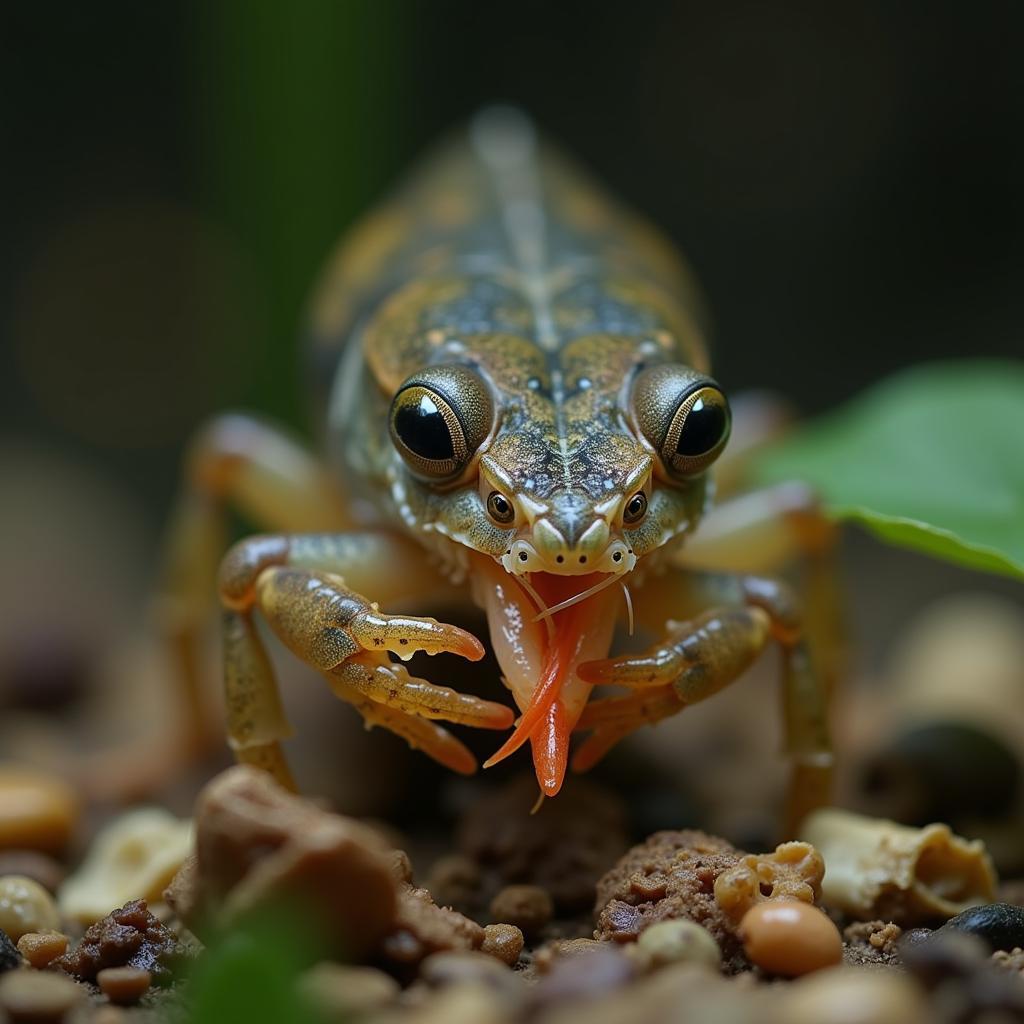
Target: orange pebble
(789, 937)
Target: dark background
(846, 180)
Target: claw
(391, 685)
(634, 670)
(404, 635)
(550, 742)
(420, 734)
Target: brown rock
(40, 949)
(528, 907)
(37, 811)
(564, 848)
(338, 991)
(38, 996)
(257, 845)
(551, 953)
(129, 937)
(671, 875)
(882, 936)
(504, 942)
(124, 986)
(422, 928)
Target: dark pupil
(702, 428)
(423, 430)
(500, 505)
(636, 506)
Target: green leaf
(931, 459)
(251, 974)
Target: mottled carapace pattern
(502, 257)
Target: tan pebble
(463, 967)
(528, 907)
(337, 990)
(25, 906)
(504, 942)
(124, 985)
(680, 941)
(37, 811)
(38, 996)
(40, 867)
(790, 938)
(133, 857)
(108, 1015)
(401, 866)
(854, 995)
(39, 948)
(548, 955)
(461, 1004)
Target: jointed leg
(700, 657)
(234, 463)
(337, 631)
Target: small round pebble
(25, 906)
(124, 986)
(678, 941)
(37, 811)
(465, 967)
(528, 907)
(588, 975)
(999, 925)
(504, 942)
(40, 867)
(854, 995)
(338, 991)
(39, 996)
(41, 948)
(790, 938)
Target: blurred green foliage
(296, 113)
(930, 459)
(250, 974)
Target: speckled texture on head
(501, 257)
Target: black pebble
(1000, 925)
(9, 955)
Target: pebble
(999, 925)
(9, 955)
(133, 857)
(37, 811)
(852, 995)
(790, 938)
(587, 975)
(39, 867)
(39, 997)
(469, 968)
(528, 907)
(25, 906)
(40, 949)
(553, 953)
(680, 941)
(504, 942)
(338, 991)
(124, 985)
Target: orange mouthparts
(542, 672)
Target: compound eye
(636, 509)
(500, 509)
(683, 415)
(439, 418)
(698, 432)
